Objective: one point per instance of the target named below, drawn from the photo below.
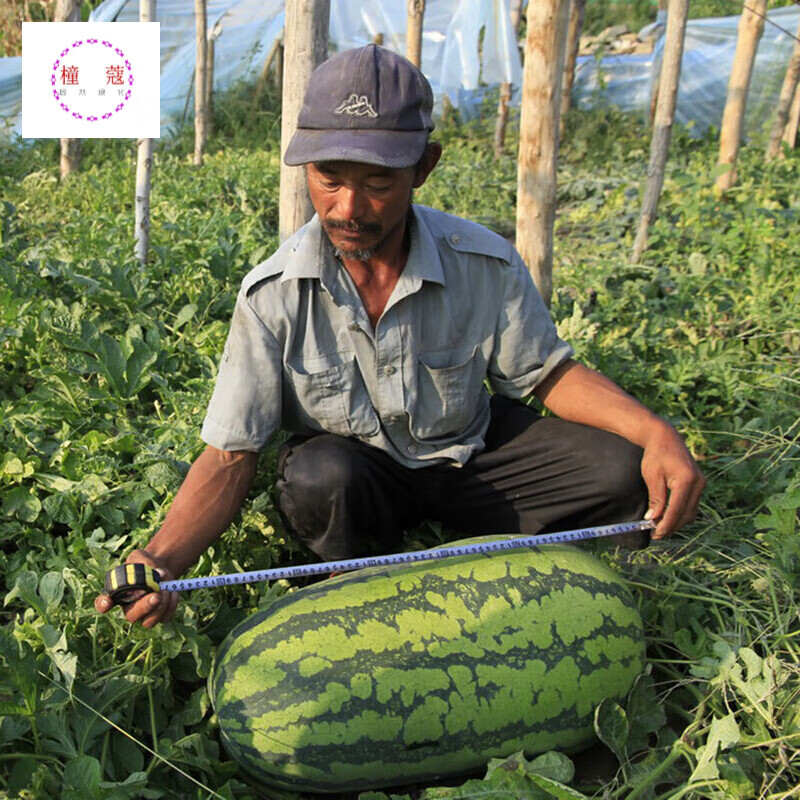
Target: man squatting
(368, 336)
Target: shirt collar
(307, 256)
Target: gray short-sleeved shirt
(302, 354)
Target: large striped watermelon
(415, 672)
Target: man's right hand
(149, 608)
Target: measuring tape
(124, 583)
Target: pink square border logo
(90, 80)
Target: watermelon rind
(416, 672)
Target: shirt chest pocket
(333, 397)
(449, 385)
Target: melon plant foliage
(106, 367)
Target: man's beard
(354, 253)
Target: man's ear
(430, 158)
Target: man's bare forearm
(205, 505)
(578, 394)
(674, 481)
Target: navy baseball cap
(368, 105)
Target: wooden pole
(788, 92)
(306, 43)
(200, 69)
(545, 44)
(577, 9)
(279, 62)
(209, 89)
(505, 90)
(144, 165)
(664, 118)
(415, 15)
(663, 5)
(262, 78)
(751, 25)
(790, 132)
(70, 160)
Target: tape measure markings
(347, 565)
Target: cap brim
(394, 149)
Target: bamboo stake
(306, 43)
(414, 18)
(505, 90)
(144, 164)
(70, 160)
(664, 119)
(788, 92)
(751, 25)
(577, 9)
(545, 47)
(790, 132)
(200, 69)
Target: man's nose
(350, 203)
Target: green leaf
(131, 788)
(725, 730)
(723, 734)
(184, 315)
(19, 502)
(611, 727)
(553, 765)
(139, 362)
(557, 789)
(112, 360)
(82, 779)
(645, 713)
(12, 727)
(25, 589)
(51, 589)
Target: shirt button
(455, 238)
(389, 370)
(353, 326)
(412, 448)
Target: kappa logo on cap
(356, 106)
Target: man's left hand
(674, 481)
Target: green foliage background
(106, 367)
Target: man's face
(362, 208)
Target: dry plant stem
(306, 47)
(788, 91)
(200, 111)
(538, 139)
(414, 21)
(751, 26)
(577, 9)
(664, 119)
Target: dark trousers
(344, 499)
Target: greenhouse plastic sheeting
(246, 29)
(626, 81)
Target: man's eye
(379, 187)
